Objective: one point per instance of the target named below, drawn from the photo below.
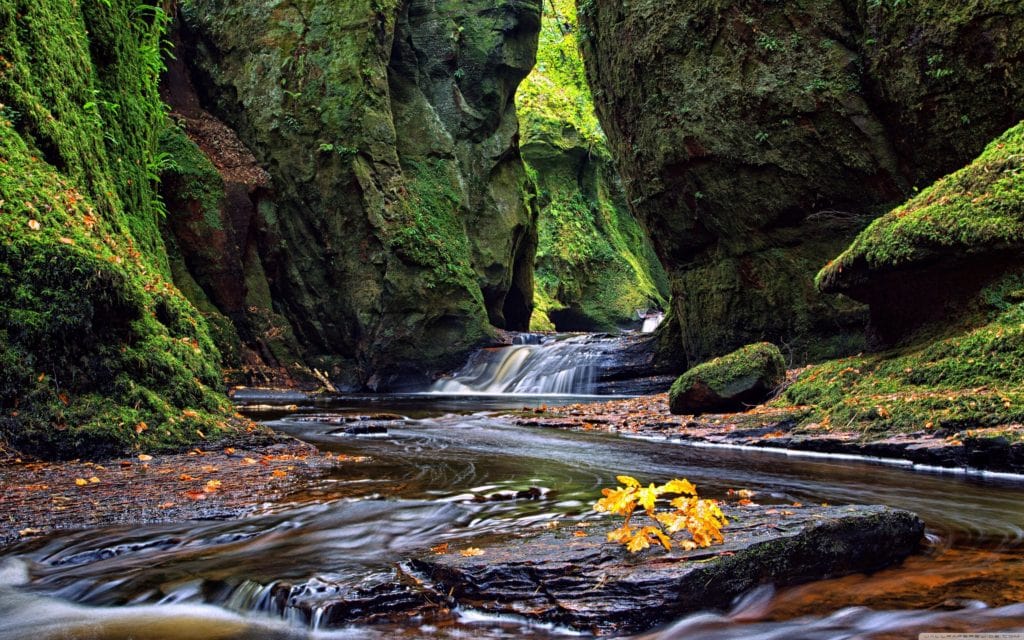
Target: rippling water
(212, 579)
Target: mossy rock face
(924, 260)
(595, 265)
(742, 378)
(756, 139)
(947, 378)
(943, 277)
(401, 227)
(100, 354)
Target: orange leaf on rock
(471, 552)
(278, 473)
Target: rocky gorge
(369, 227)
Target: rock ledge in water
(594, 586)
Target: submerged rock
(744, 377)
(595, 586)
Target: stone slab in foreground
(594, 586)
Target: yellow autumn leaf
(638, 543)
(655, 533)
(145, 457)
(680, 486)
(628, 481)
(81, 482)
(471, 552)
(647, 497)
(618, 501)
(621, 535)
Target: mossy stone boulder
(730, 383)
(934, 254)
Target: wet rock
(364, 429)
(744, 377)
(533, 493)
(321, 602)
(594, 586)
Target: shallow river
(211, 579)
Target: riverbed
(434, 479)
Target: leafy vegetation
(701, 519)
(556, 94)
(968, 380)
(99, 353)
(595, 266)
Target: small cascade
(533, 365)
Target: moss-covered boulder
(99, 353)
(400, 223)
(756, 139)
(944, 277)
(924, 261)
(731, 383)
(595, 266)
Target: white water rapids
(546, 366)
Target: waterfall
(535, 365)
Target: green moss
(968, 379)
(736, 371)
(556, 94)
(193, 175)
(101, 354)
(977, 210)
(429, 232)
(594, 263)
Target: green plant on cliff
(556, 93)
(430, 233)
(595, 267)
(99, 353)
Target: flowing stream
(211, 579)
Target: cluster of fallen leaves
(46, 495)
(702, 519)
